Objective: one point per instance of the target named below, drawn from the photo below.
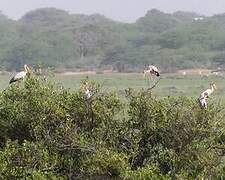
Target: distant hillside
(55, 38)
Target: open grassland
(169, 84)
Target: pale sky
(122, 10)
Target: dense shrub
(48, 132)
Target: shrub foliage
(48, 132)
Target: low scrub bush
(48, 132)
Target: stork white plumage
(20, 75)
(203, 103)
(87, 91)
(205, 94)
(152, 70)
(208, 92)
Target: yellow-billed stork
(209, 91)
(86, 89)
(21, 75)
(205, 94)
(152, 70)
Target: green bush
(48, 132)
(28, 159)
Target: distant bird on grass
(21, 75)
(205, 94)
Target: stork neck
(25, 68)
(212, 88)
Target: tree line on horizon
(54, 38)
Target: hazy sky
(123, 10)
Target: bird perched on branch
(209, 91)
(151, 70)
(205, 94)
(86, 90)
(21, 75)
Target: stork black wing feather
(12, 80)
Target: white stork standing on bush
(205, 94)
(152, 70)
(86, 90)
(21, 75)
